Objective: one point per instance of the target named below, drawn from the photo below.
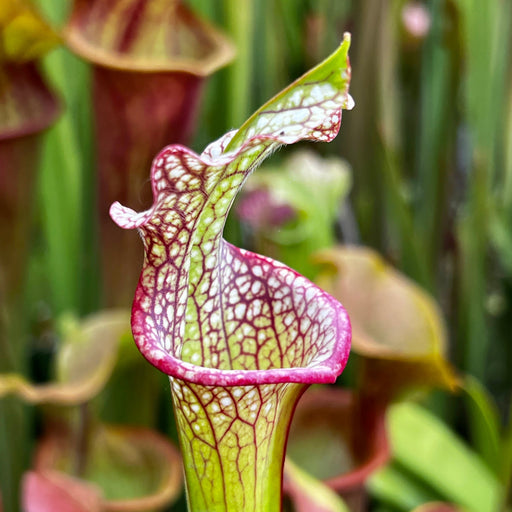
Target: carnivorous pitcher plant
(240, 335)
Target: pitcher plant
(240, 335)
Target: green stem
(233, 443)
(363, 131)
(411, 261)
(61, 200)
(82, 439)
(436, 124)
(14, 417)
(240, 24)
(485, 38)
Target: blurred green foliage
(429, 143)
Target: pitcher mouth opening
(322, 371)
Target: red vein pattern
(240, 335)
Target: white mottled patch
(305, 324)
(257, 270)
(208, 306)
(349, 103)
(256, 308)
(310, 293)
(256, 287)
(226, 401)
(240, 310)
(210, 262)
(295, 98)
(234, 296)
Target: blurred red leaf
(52, 491)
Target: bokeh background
(428, 154)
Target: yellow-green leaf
(24, 34)
(309, 494)
(397, 327)
(84, 363)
